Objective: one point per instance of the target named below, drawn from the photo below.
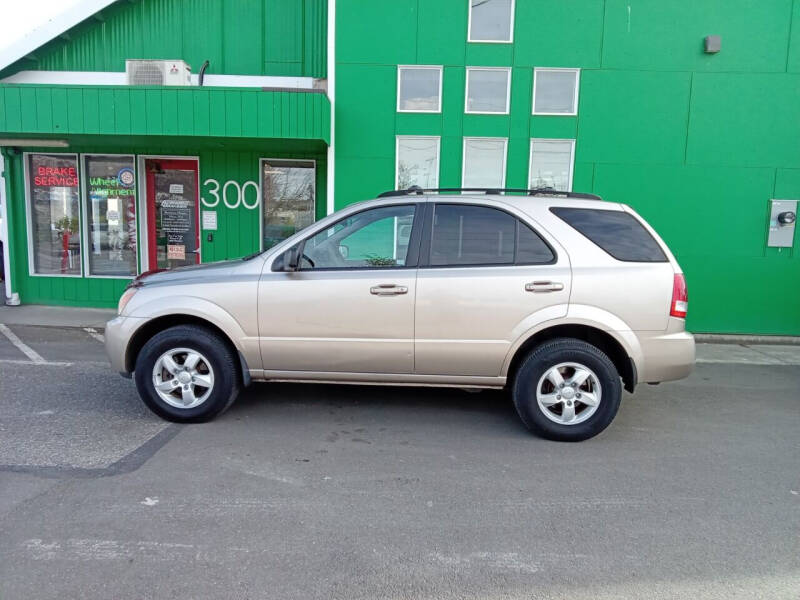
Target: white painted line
(6, 361)
(21, 346)
(746, 361)
(93, 332)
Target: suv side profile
(563, 298)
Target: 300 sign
(225, 194)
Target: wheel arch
(613, 347)
(166, 321)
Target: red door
(173, 213)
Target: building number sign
(232, 193)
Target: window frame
(412, 259)
(464, 156)
(508, 91)
(87, 271)
(29, 216)
(438, 139)
(427, 240)
(571, 158)
(439, 68)
(261, 201)
(510, 29)
(575, 98)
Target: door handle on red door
(388, 289)
(544, 286)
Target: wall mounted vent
(157, 72)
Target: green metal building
(157, 133)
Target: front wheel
(187, 374)
(567, 390)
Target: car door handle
(388, 289)
(544, 286)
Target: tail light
(680, 297)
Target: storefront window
(110, 192)
(289, 198)
(54, 211)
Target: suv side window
(372, 239)
(616, 232)
(469, 235)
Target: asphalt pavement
(319, 491)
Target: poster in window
(53, 186)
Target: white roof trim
(120, 78)
(50, 30)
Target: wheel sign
(126, 177)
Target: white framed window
(491, 21)
(288, 198)
(484, 162)
(551, 164)
(419, 88)
(52, 205)
(417, 162)
(110, 226)
(555, 91)
(488, 90)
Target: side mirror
(291, 259)
(344, 251)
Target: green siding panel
(121, 110)
(633, 116)
(745, 119)
(658, 35)
(245, 37)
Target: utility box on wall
(781, 223)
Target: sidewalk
(55, 316)
(743, 350)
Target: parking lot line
(35, 357)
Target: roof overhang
(58, 111)
(54, 27)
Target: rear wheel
(567, 390)
(187, 374)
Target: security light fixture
(713, 44)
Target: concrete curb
(716, 338)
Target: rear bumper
(667, 357)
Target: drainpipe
(331, 157)
(12, 299)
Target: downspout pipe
(201, 75)
(10, 297)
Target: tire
(565, 414)
(215, 374)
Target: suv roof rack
(542, 191)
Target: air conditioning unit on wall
(158, 72)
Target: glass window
(110, 196)
(551, 164)
(531, 249)
(555, 91)
(487, 90)
(54, 209)
(419, 89)
(376, 238)
(491, 20)
(618, 233)
(484, 163)
(472, 235)
(288, 188)
(417, 162)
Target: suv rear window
(616, 232)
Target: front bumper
(118, 334)
(667, 357)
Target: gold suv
(561, 297)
